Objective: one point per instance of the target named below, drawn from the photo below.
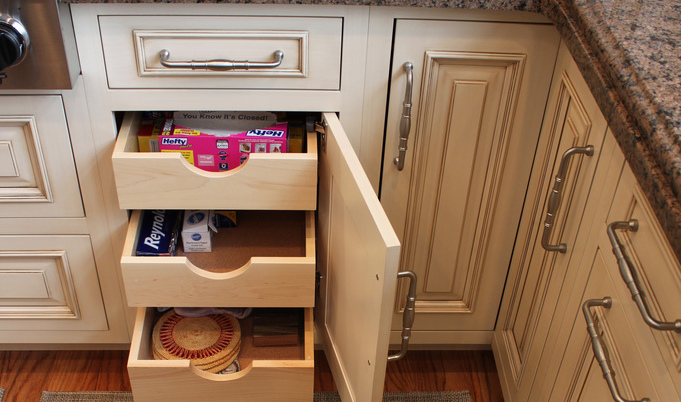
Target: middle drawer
(267, 260)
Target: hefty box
(218, 153)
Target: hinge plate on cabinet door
(313, 125)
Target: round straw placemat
(211, 342)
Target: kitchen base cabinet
(59, 284)
(641, 358)
(571, 147)
(475, 88)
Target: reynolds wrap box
(158, 232)
(218, 153)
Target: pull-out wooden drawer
(155, 180)
(311, 49)
(267, 373)
(268, 260)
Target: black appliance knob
(14, 42)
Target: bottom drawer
(267, 373)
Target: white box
(196, 231)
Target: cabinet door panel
(572, 119)
(357, 258)
(457, 202)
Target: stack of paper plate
(211, 343)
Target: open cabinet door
(357, 257)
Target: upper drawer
(156, 180)
(311, 51)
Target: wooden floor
(24, 375)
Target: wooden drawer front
(259, 380)
(656, 267)
(311, 51)
(37, 173)
(49, 283)
(268, 260)
(155, 180)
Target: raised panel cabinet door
(357, 256)
(478, 88)
(570, 149)
(37, 170)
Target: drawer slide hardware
(407, 316)
(405, 120)
(599, 351)
(630, 279)
(554, 197)
(312, 125)
(219, 64)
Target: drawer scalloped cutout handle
(221, 64)
(630, 279)
(554, 197)
(599, 350)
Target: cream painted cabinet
(625, 250)
(477, 95)
(542, 347)
(569, 150)
(346, 236)
(58, 282)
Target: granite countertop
(629, 53)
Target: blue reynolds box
(158, 232)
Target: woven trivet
(211, 342)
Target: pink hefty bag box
(220, 153)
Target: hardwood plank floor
(25, 374)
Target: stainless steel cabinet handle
(554, 197)
(407, 316)
(405, 121)
(630, 279)
(220, 65)
(599, 350)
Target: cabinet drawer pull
(407, 316)
(599, 350)
(220, 65)
(554, 197)
(630, 279)
(405, 121)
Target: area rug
(456, 396)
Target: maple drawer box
(160, 180)
(267, 260)
(226, 52)
(267, 373)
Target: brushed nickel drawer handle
(599, 350)
(407, 316)
(554, 197)
(220, 65)
(405, 120)
(631, 281)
